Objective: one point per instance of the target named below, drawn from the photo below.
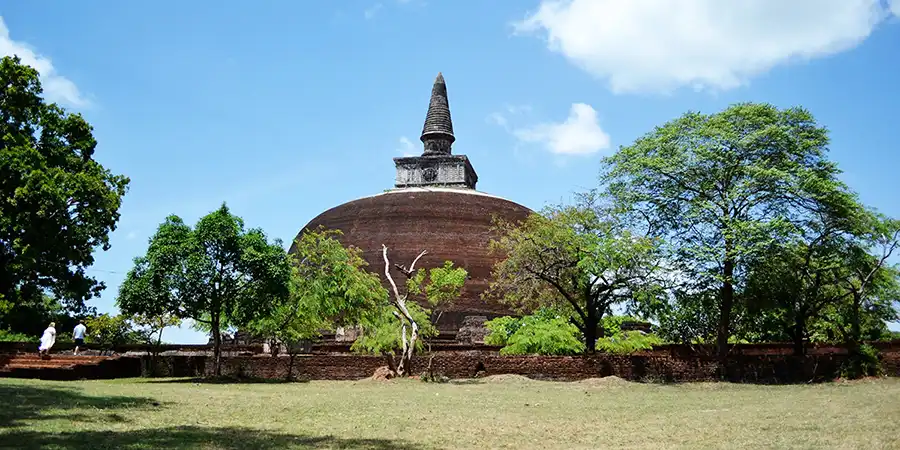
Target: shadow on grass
(23, 403)
(189, 437)
(226, 380)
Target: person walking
(47, 339)
(78, 335)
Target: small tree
(152, 327)
(329, 288)
(573, 258)
(216, 274)
(380, 335)
(108, 332)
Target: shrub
(11, 336)
(628, 342)
(865, 362)
(542, 333)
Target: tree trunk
(217, 346)
(591, 324)
(798, 334)
(726, 305)
(855, 327)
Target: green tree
(107, 332)
(574, 258)
(546, 332)
(217, 274)
(57, 204)
(790, 286)
(400, 323)
(720, 188)
(330, 287)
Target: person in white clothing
(78, 335)
(48, 339)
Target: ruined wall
(669, 364)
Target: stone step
(41, 365)
(69, 359)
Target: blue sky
(284, 108)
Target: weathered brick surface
(451, 225)
(676, 364)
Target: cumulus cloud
(57, 88)
(579, 134)
(407, 148)
(658, 46)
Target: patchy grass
(499, 412)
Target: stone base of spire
(437, 171)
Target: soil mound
(507, 378)
(611, 381)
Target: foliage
(217, 274)
(107, 332)
(720, 189)
(58, 203)
(152, 326)
(627, 342)
(546, 337)
(12, 336)
(576, 258)
(381, 334)
(330, 287)
(31, 316)
(864, 362)
(399, 324)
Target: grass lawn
(499, 412)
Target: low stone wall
(676, 364)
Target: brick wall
(675, 364)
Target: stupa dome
(433, 207)
(452, 224)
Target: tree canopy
(57, 203)
(575, 258)
(216, 274)
(720, 189)
(329, 288)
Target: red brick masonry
(754, 364)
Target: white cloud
(131, 235)
(579, 134)
(57, 88)
(658, 46)
(371, 11)
(407, 148)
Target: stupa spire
(437, 134)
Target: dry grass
(498, 412)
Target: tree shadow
(226, 380)
(186, 437)
(23, 403)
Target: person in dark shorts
(78, 335)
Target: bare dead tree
(409, 328)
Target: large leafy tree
(576, 258)
(330, 287)
(721, 188)
(790, 286)
(216, 274)
(57, 204)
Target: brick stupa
(434, 206)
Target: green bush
(627, 342)
(542, 333)
(865, 362)
(11, 336)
